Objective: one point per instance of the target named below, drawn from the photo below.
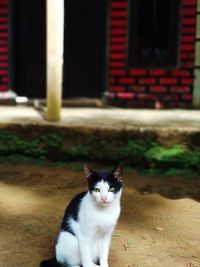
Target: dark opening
(85, 48)
(27, 34)
(153, 33)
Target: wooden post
(196, 94)
(55, 43)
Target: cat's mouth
(104, 203)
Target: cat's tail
(50, 263)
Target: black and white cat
(89, 221)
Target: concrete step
(146, 137)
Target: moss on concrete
(134, 148)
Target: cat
(89, 221)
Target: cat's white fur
(97, 219)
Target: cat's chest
(103, 220)
(99, 226)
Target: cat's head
(104, 187)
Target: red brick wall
(3, 45)
(144, 87)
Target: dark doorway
(27, 46)
(85, 48)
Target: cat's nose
(104, 198)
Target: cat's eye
(96, 189)
(112, 189)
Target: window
(153, 33)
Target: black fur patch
(50, 263)
(72, 212)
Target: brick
(3, 72)
(118, 40)
(118, 47)
(189, 55)
(187, 47)
(180, 89)
(3, 27)
(189, 21)
(187, 64)
(126, 95)
(3, 50)
(180, 73)
(3, 58)
(119, 14)
(112, 80)
(138, 72)
(118, 31)
(3, 64)
(144, 97)
(118, 72)
(4, 1)
(115, 64)
(119, 22)
(117, 56)
(189, 11)
(158, 72)
(126, 80)
(188, 39)
(137, 88)
(189, 2)
(147, 81)
(3, 87)
(119, 5)
(169, 81)
(170, 97)
(188, 30)
(4, 10)
(4, 19)
(4, 34)
(5, 79)
(187, 97)
(117, 89)
(4, 42)
(187, 81)
(158, 89)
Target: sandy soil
(159, 224)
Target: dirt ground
(159, 223)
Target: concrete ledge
(107, 118)
(138, 137)
(169, 126)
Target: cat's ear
(88, 171)
(118, 173)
